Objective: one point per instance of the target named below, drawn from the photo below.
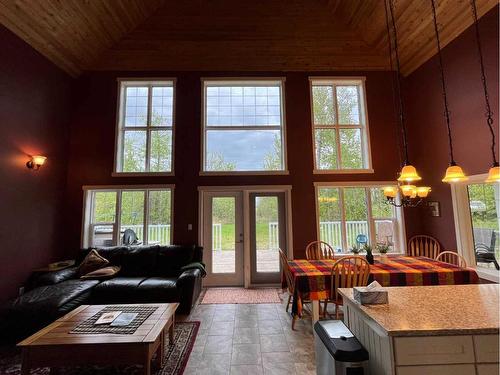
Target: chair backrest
(129, 237)
(423, 246)
(319, 250)
(286, 271)
(348, 272)
(452, 258)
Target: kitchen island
(450, 329)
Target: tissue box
(366, 296)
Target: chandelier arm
(398, 84)
(443, 84)
(489, 113)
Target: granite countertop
(435, 310)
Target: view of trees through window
(243, 126)
(348, 214)
(339, 128)
(146, 131)
(131, 214)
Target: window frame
(399, 222)
(463, 226)
(242, 81)
(363, 126)
(120, 129)
(88, 210)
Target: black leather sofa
(148, 274)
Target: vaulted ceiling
(238, 35)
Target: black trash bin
(338, 352)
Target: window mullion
(148, 130)
(145, 230)
(343, 228)
(371, 222)
(118, 218)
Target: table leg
(147, 362)
(171, 331)
(315, 311)
(25, 363)
(161, 349)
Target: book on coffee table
(123, 320)
(108, 317)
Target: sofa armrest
(53, 277)
(188, 276)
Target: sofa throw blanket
(196, 265)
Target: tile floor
(250, 339)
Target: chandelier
(406, 194)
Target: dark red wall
(34, 108)
(93, 137)
(428, 137)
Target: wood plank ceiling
(223, 35)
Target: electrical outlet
(190, 226)
(21, 290)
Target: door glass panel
(484, 203)
(132, 214)
(356, 216)
(159, 229)
(223, 235)
(267, 234)
(330, 217)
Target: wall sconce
(36, 162)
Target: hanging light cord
(443, 84)
(389, 45)
(398, 82)
(489, 113)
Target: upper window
(131, 216)
(341, 141)
(145, 127)
(355, 215)
(243, 126)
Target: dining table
(312, 278)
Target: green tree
(273, 159)
(215, 162)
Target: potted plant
(383, 249)
(369, 253)
(355, 250)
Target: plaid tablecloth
(312, 277)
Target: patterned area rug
(176, 357)
(241, 295)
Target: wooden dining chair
(423, 246)
(319, 250)
(347, 272)
(452, 258)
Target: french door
(242, 232)
(223, 238)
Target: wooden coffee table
(55, 347)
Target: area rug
(241, 295)
(175, 358)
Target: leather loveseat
(149, 274)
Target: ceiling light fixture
(494, 172)
(454, 172)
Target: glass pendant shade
(409, 190)
(390, 191)
(454, 173)
(423, 191)
(409, 174)
(494, 174)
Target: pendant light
(406, 194)
(494, 173)
(454, 173)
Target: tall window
(476, 206)
(341, 141)
(354, 215)
(145, 212)
(145, 127)
(243, 126)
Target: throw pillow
(102, 273)
(93, 261)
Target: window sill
(244, 173)
(488, 274)
(141, 174)
(343, 171)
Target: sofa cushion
(93, 261)
(159, 289)
(102, 273)
(172, 258)
(117, 290)
(139, 261)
